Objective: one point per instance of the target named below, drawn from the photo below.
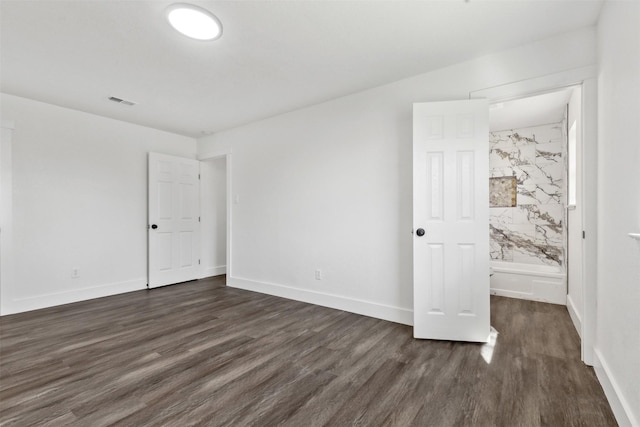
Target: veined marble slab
(549, 153)
(527, 194)
(500, 252)
(550, 214)
(512, 156)
(501, 215)
(539, 174)
(538, 254)
(533, 231)
(549, 193)
(549, 235)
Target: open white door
(451, 220)
(174, 247)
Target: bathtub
(529, 281)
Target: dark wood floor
(203, 354)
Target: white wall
(329, 187)
(79, 201)
(618, 318)
(6, 211)
(213, 207)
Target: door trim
(587, 78)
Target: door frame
(227, 155)
(587, 78)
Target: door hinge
(584, 234)
(198, 261)
(198, 176)
(198, 219)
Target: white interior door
(575, 255)
(174, 248)
(451, 207)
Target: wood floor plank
(200, 353)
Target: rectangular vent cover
(121, 101)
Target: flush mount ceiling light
(194, 21)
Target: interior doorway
(559, 189)
(586, 78)
(529, 186)
(214, 216)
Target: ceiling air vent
(121, 101)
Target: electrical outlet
(75, 273)
(318, 274)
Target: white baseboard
(19, 305)
(352, 305)
(619, 405)
(576, 318)
(213, 271)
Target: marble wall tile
(530, 175)
(514, 233)
(501, 215)
(538, 254)
(498, 172)
(527, 194)
(500, 252)
(525, 214)
(533, 231)
(549, 235)
(523, 155)
(541, 134)
(552, 172)
(549, 193)
(500, 140)
(549, 153)
(522, 138)
(500, 157)
(539, 174)
(550, 214)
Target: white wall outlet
(75, 273)
(318, 274)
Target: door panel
(451, 202)
(173, 209)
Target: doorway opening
(214, 216)
(536, 225)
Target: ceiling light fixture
(194, 21)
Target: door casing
(587, 78)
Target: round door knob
(420, 232)
(154, 226)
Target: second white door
(174, 227)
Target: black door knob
(420, 232)
(154, 226)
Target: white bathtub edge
(529, 270)
(529, 281)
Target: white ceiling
(531, 111)
(274, 56)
